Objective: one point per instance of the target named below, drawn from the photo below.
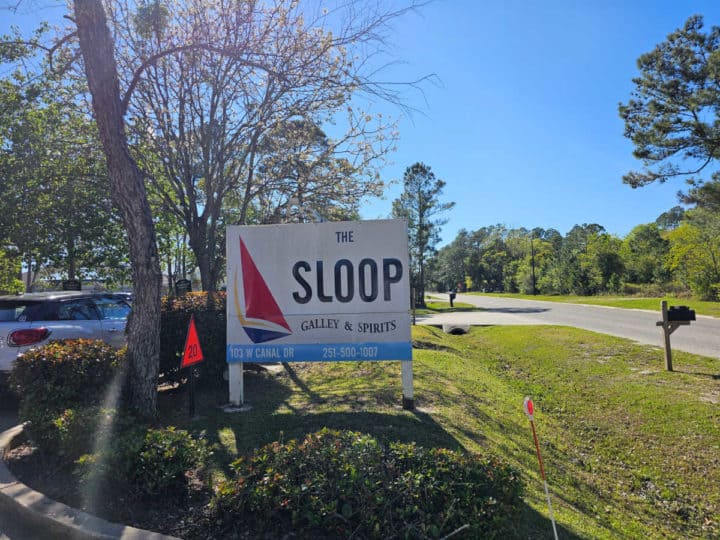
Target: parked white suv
(33, 319)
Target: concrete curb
(21, 504)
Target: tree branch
(179, 49)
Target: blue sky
(524, 126)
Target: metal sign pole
(236, 384)
(192, 355)
(191, 392)
(530, 412)
(408, 400)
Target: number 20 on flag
(192, 354)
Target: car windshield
(20, 310)
(112, 308)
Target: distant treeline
(679, 252)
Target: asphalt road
(701, 337)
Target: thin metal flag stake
(530, 411)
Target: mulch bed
(181, 518)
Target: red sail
(259, 301)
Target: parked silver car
(30, 320)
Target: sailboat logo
(261, 319)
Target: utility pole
(532, 261)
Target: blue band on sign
(319, 352)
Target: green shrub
(64, 435)
(338, 484)
(142, 463)
(210, 321)
(54, 381)
(64, 374)
(164, 459)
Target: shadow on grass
(714, 376)
(264, 424)
(515, 310)
(272, 417)
(424, 312)
(453, 309)
(532, 524)
(312, 395)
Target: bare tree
(300, 167)
(225, 84)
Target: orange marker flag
(192, 353)
(529, 408)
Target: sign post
(406, 374)
(529, 409)
(192, 354)
(328, 292)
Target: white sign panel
(318, 292)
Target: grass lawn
(630, 450)
(434, 305)
(701, 307)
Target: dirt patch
(42, 475)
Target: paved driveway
(8, 415)
(701, 337)
(8, 419)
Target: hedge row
(342, 484)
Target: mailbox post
(672, 319)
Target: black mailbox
(681, 313)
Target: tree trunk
(170, 275)
(184, 257)
(28, 276)
(204, 266)
(71, 256)
(203, 257)
(128, 191)
(421, 282)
